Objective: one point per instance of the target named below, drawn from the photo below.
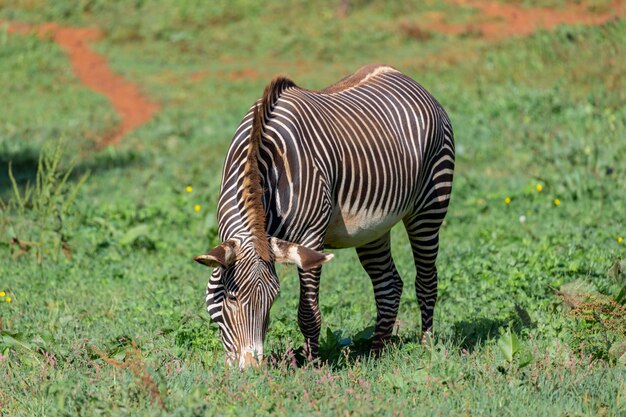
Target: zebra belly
(349, 230)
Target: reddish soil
(133, 108)
(237, 75)
(499, 21)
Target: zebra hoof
(427, 338)
(378, 346)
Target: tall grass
(34, 216)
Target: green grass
(549, 109)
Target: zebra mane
(252, 190)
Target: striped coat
(334, 168)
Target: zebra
(330, 168)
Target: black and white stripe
(338, 168)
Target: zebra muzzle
(249, 357)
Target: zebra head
(243, 287)
(244, 284)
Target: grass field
(101, 307)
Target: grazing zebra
(332, 168)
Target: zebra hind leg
(378, 263)
(423, 232)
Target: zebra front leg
(424, 237)
(378, 263)
(309, 316)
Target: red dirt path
(499, 21)
(133, 108)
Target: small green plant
(509, 345)
(511, 349)
(35, 215)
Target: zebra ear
(302, 256)
(222, 255)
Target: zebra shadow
(338, 350)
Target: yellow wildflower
(539, 187)
(557, 202)
(507, 200)
(197, 208)
(2, 293)
(189, 188)
(8, 299)
(620, 239)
